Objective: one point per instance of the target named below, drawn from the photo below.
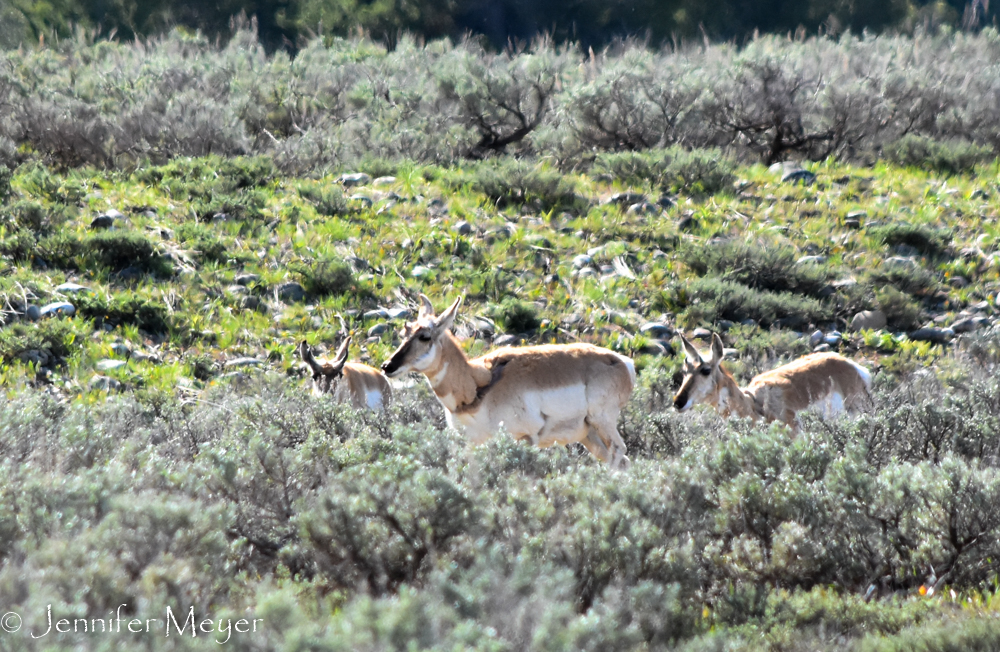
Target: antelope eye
(424, 337)
(705, 371)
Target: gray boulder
(291, 292)
(868, 320)
(63, 308)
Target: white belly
(546, 417)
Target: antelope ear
(340, 359)
(307, 357)
(447, 318)
(426, 307)
(691, 353)
(717, 351)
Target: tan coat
(549, 394)
(361, 385)
(826, 381)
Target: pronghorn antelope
(549, 394)
(363, 386)
(823, 380)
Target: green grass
(197, 481)
(529, 224)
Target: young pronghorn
(824, 380)
(549, 394)
(363, 386)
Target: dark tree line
(285, 24)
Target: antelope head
(421, 346)
(701, 376)
(326, 375)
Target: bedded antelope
(363, 386)
(823, 380)
(549, 394)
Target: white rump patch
(373, 399)
(631, 366)
(866, 376)
(834, 405)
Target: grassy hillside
(159, 448)
(186, 274)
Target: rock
(724, 325)
(966, 325)
(220, 217)
(505, 340)
(981, 306)
(868, 320)
(572, 319)
(384, 181)
(852, 224)
(58, 308)
(106, 220)
(130, 273)
(657, 347)
(399, 313)
(958, 282)
(378, 329)
(834, 338)
(250, 302)
(33, 313)
(857, 215)
(290, 292)
(104, 384)
(379, 313)
(462, 228)
(797, 174)
(791, 321)
(419, 271)
(354, 179)
(701, 334)
(246, 279)
(119, 348)
(625, 198)
(687, 223)
(815, 339)
(71, 288)
(586, 272)
(108, 364)
(582, 261)
(37, 357)
(437, 207)
(822, 348)
(656, 330)
(826, 291)
(643, 208)
(364, 199)
(665, 202)
(237, 290)
(139, 356)
(242, 362)
(484, 326)
(102, 222)
(811, 260)
(235, 377)
(900, 261)
(934, 335)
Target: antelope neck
(730, 399)
(456, 382)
